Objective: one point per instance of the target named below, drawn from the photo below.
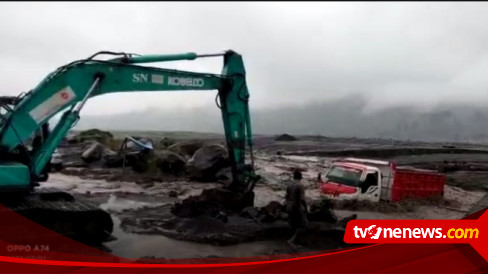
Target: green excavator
(24, 166)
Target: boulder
(170, 162)
(93, 152)
(186, 149)
(206, 162)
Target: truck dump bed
(413, 183)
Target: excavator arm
(69, 87)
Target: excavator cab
(25, 150)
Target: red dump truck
(372, 180)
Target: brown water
(117, 196)
(132, 246)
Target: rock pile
(193, 158)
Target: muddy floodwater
(130, 245)
(118, 197)
(132, 200)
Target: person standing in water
(296, 207)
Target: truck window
(371, 180)
(344, 175)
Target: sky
(404, 53)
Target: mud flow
(171, 203)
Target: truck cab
(373, 180)
(348, 180)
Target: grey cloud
(392, 54)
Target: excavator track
(60, 212)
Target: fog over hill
(346, 117)
(299, 58)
